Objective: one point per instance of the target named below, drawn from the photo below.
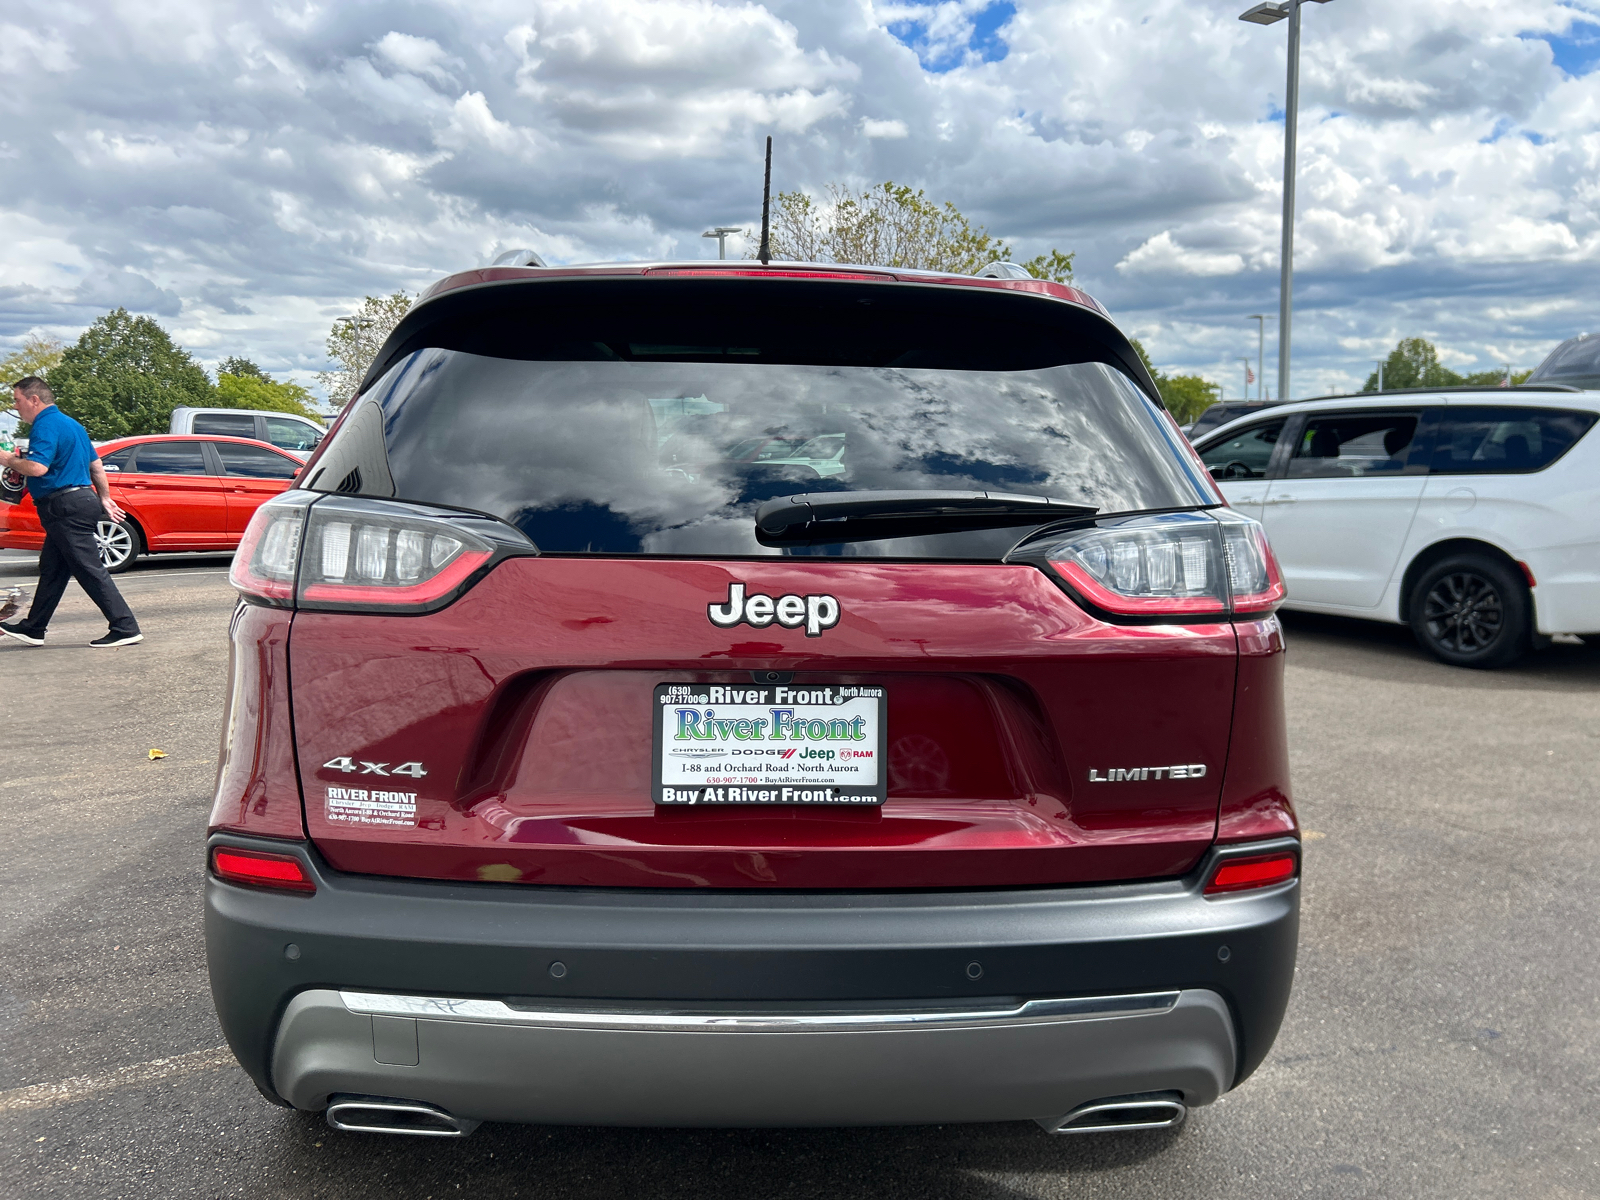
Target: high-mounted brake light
(1176, 566)
(1241, 874)
(770, 273)
(259, 869)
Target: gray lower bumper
(755, 1067)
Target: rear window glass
(1349, 444)
(225, 424)
(1473, 440)
(600, 423)
(1575, 362)
(170, 458)
(674, 458)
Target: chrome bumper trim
(1031, 1012)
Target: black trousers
(69, 518)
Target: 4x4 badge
(350, 765)
(816, 612)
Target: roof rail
(1433, 391)
(1003, 270)
(519, 258)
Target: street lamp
(1378, 362)
(1271, 14)
(1261, 353)
(721, 232)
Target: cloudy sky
(245, 172)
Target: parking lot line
(81, 1087)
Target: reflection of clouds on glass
(674, 457)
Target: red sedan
(180, 493)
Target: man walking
(71, 492)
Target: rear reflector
(1173, 566)
(1238, 874)
(258, 869)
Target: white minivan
(1473, 515)
(297, 435)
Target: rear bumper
(674, 1008)
(550, 1068)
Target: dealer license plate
(769, 744)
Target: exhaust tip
(383, 1114)
(1120, 1114)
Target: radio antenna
(765, 253)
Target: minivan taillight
(1172, 566)
(377, 556)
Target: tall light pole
(1261, 353)
(1378, 362)
(721, 233)
(1271, 14)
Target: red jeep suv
(586, 764)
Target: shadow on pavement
(963, 1162)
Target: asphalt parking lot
(1443, 1039)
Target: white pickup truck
(298, 435)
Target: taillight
(1254, 580)
(259, 869)
(1172, 566)
(351, 554)
(264, 565)
(1241, 874)
(367, 555)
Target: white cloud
(419, 55)
(251, 170)
(873, 128)
(1163, 255)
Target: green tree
(1186, 396)
(354, 341)
(125, 375)
(1414, 363)
(234, 365)
(262, 392)
(1492, 378)
(891, 225)
(36, 356)
(1054, 266)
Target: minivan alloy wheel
(1464, 613)
(1471, 612)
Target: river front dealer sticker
(766, 744)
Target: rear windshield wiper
(820, 518)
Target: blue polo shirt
(64, 446)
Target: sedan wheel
(1471, 612)
(118, 543)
